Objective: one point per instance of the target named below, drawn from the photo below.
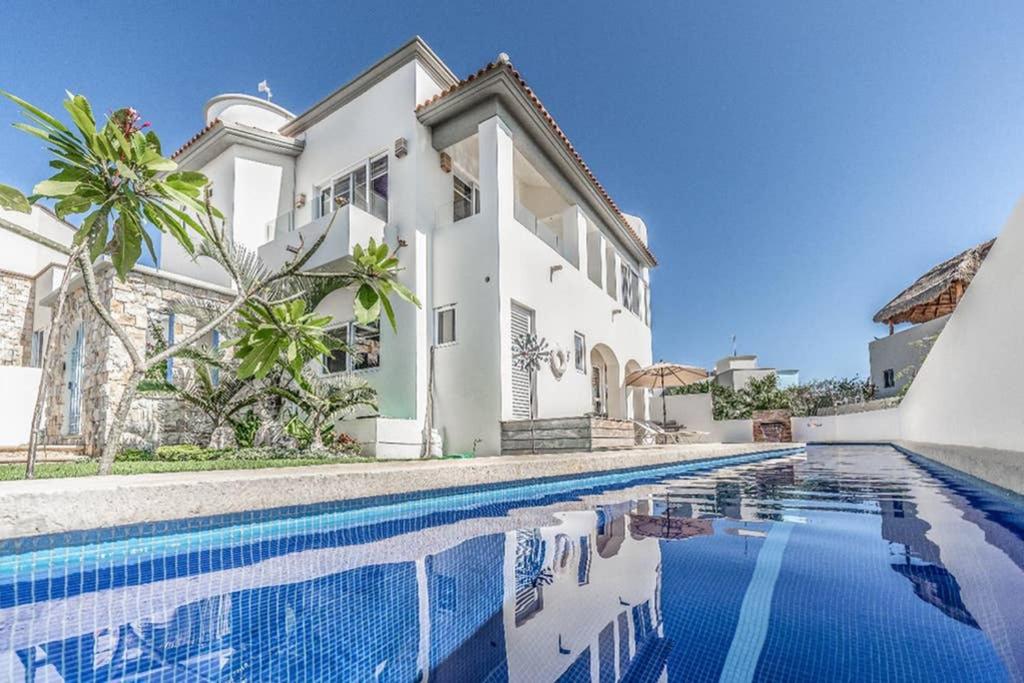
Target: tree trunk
(317, 442)
(117, 424)
(45, 362)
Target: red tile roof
(555, 128)
(195, 138)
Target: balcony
(351, 226)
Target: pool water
(835, 563)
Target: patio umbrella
(661, 375)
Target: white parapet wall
(694, 411)
(875, 425)
(968, 391)
(16, 403)
(732, 431)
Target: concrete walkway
(45, 506)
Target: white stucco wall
(21, 255)
(903, 353)
(874, 425)
(732, 431)
(17, 401)
(692, 410)
(968, 390)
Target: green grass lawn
(57, 470)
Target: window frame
(350, 352)
(581, 358)
(888, 378)
(328, 183)
(438, 311)
(458, 175)
(36, 350)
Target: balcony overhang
(221, 135)
(351, 226)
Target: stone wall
(161, 419)
(17, 304)
(136, 304)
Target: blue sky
(797, 163)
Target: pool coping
(49, 506)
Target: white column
(497, 197)
(574, 232)
(497, 179)
(602, 258)
(617, 278)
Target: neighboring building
(503, 229)
(736, 371)
(926, 305)
(788, 378)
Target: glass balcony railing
(548, 229)
(281, 225)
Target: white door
(522, 387)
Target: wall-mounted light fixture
(300, 200)
(615, 312)
(401, 148)
(554, 269)
(446, 162)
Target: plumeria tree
(117, 178)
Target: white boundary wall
(875, 425)
(16, 403)
(968, 392)
(732, 431)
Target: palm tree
(212, 385)
(322, 400)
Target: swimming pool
(838, 563)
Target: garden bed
(58, 470)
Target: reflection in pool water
(841, 563)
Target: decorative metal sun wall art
(529, 352)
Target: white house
(503, 229)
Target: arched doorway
(636, 397)
(606, 382)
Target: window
(580, 352)
(630, 289)
(353, 187)
(365, 345)
(889, 379)
(444, 325)
(465, 198)
(359, 347)
(337, 360)
(36, 360)
(379, 187)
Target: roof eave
(214, 141)
(416, 48)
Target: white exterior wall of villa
(490, 262)
(366, 127)
(481, 265)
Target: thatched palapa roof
(937, 292)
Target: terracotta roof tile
(195, 138)
(555, 128)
